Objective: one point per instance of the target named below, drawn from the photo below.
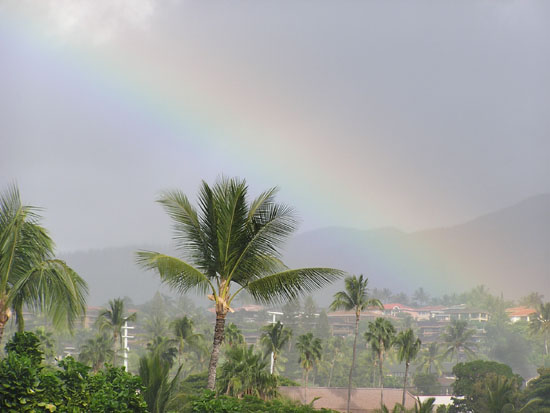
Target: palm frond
(175, 272)
(289, 284)
(54, 288)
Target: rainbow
(202, 123)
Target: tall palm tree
(96, 351)
(183, 331)
(273, 338)
(29, 273)
(380, 335)
(430, 357)
(229, 242)
(310, 352)
(335, 354)
(355, 298)
(458, 337)
(408, 346)
(541, 323)
(113, 319)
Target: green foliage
(539, 388)
(154, 370)
(426, 383)
(26, 344)
(194, 384)
(274, 337)
(244, 372)
(29, 273)
(29, 386)
(458, 337)
(479, 381)
(209, 403)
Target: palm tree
(310, 352)
(113, 319)
(408, 346)
(47, 343)
(541, 323)
(355, 298)
(183, 331)
(532, 300)
(430, 357)
(96, 351)
(420, 296)
(154, 370)
(335, 353)
(233, 335)
(427, 406)
(273, 338)
(227, 243)
(458, 337)
(380, 335)
(244, 372)
(29, 273)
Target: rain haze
(410, 115)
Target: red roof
(520, 311)
(401, 307)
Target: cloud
(95, 21)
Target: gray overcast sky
(409, 114)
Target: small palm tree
(273, 338)
(310, 352)
(244, 372)
(355, 298)
(154, 370)
(380, 335)
(29, 273)
(113, 319)
(430, 358)
(458, 337)
(427, 406)
(230, 246)
(408, 346)
(541, 323)
(182, 329)
(97, 351)
(233, 335)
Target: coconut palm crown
(229, 245)
(29, 273)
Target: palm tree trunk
(305, 388)
(545, 342)
(357, 314)
(5, 314)
(19, 318)
(274, 362)
(381, 380)
(115, 338)
(405, 382)
(330, 373)
(218, 340)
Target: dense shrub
(27, 385)
(209, 403)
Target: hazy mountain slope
(508, 250)
(111, 273)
